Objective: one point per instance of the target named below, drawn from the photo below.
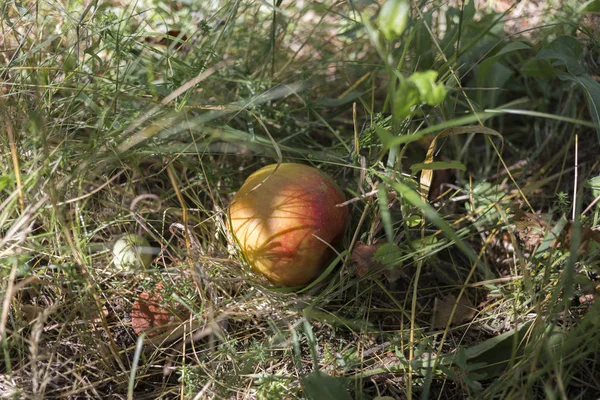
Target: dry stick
(15, 160)
(6, 302)
(179, 195)
(588, 208)
(575, 185)
(355, 123)
(133, 204)
(99, 188)
(25, 218)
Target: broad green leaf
(385, 136)
(590, 6)
(429, 92)
(551, 237)
(591, 89)
(4, 182)
(486, 65)
(565, 51)
(537, 68)
(389, 255)
(318, 386)
(496, 77)
(484, 348)
(594, 184)
(513, 46)
(423, 44)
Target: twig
(99, 188)
(575, 183)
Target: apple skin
(277, 217)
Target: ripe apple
(284, 218)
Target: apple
(285, 219)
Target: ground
(466, 147)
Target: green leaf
(385, 136)
(483, 348)
(551, 237)
(389, 255)
(594, 184)
(537, 68)
(393, 18)
(406, 96)
(591, 89)
(485, 66)
(423, 42)
(4, 182)
(318, 386)
(429, 92)
(564, 51)
(590, 6)
(415, 168)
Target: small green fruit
(132, 252)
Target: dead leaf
(31, 312)
(587, 236)
(365, 262)
(530, 228)
(465, 311)
(363, 259)
(168, 39)
(587, 298)
(150, 315)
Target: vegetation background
(466, 138)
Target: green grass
(109, 125)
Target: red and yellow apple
(285, 219)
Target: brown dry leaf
(587, 298)
(587, 236)
(362, 259)
(530, 228)
(168, 39)
(149, 315)
(465, 311)
(31, 312)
